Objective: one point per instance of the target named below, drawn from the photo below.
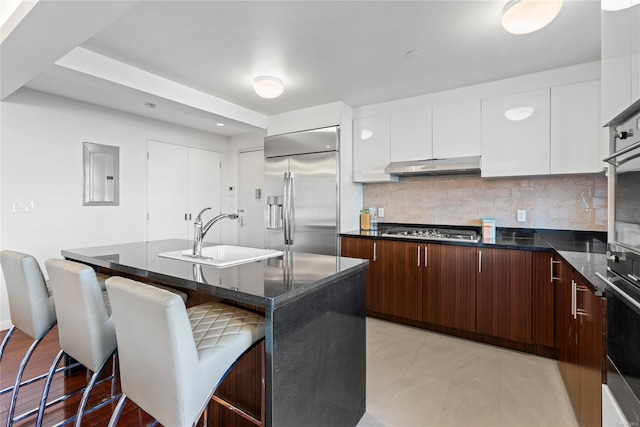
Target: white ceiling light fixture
(527, 16)
(519, 113)
(268, 86)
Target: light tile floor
(418, 378)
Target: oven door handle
(618, 290)
(625, 150)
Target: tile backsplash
(571, 202)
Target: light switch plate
(522, 215)
(381, 212)
(23, 206)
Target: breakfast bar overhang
(314, 307)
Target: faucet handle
(198, 219)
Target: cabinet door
(371, 149)
(354, 247)
(504, 294)
(411, 135)
(449, 286)
(543, 298)
(616, 38)
(457, 130)
(567, 332)
(400, 287)
(635, 51)
(574, 128)
(513, 147)
(592, 355)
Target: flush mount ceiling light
(527, 16)
(519, 113)
(268, 87)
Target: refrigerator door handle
(292, 208)
(285, 209)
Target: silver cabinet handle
(375, 247)
(426, 260)
(574, 299)
(418, 256)
(479, 261)
(551, 269)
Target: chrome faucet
(201, 230)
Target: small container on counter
(365, 220)
(489, 230)
(374, 219)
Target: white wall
(41, 144)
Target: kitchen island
(314, 308)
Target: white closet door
(204, 190)
(167, 193)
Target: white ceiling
(196, 60)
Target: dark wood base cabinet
(580, 344)
(523, 300)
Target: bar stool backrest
(85, 328)
(30, 305)
(159, 366)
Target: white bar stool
(32, 311)
(172, 358)
(85, 327)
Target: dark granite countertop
(268, 283)
(583, 250)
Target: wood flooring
(29, 396)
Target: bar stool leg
(23, 365)
(87, 392)
(5, 341)
(113, 421)
(47, 386)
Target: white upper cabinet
(371, 149)
(519, 145)
(457, 130)
(635, 51)
(411, 135)
(620, 53)
(574, 128)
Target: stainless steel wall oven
(623, 266)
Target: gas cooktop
(432, 233)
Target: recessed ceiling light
(150, 105)
(220, 124)
(412, 53)
(268, 86)
(527, 16)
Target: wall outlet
(522, 215)
(381, 212)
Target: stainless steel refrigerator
(302, 191)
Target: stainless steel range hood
(458, 165)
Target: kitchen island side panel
(318, 374)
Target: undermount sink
(223, 255)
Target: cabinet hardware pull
(418, 256)
(574, 299)
(425, 256)
(479, 261)
(552, 276)
(374, 251)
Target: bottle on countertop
(374, 219)
(365, 220)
